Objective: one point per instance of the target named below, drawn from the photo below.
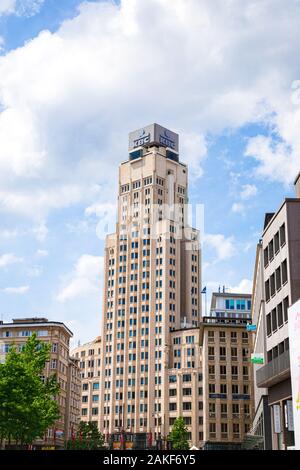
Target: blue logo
(142, 140)
(166, 140)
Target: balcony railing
(275, 371)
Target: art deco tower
(151, 286)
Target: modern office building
(261, 426)
(151, 292)
(65, 368)
(88, 356)
(227, 371)
(281, 278)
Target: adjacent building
(294, 337)
(151, 295)
(261, 426)
(227, 371)
(88, 357)
(185, 384)
(60, 363)
(280, 276)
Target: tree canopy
(27, 398)
(87, 437)
(179, 435)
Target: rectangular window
(266, 257)
(282, 234)
(269, 328)
(285, 308)
(271, 250)
(42, 333)
(267, 290)
(279, 314)
(276, 242)
(284, 272)
(186, 405)
(274, 320)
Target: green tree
(27, 402)
(87, 437)
(179, 435)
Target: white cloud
(65, 118)
(2, 42)
(224, 247)
(107, 215)
(40, 232)
(7, 6)
(9, 258)
(34, 271)
(16, 290)
(20, 7)
(274, 156)
(244, 287)
(238, 207)
(9, 233)
(194, 149)
(85, 279)
(248, 191)
(42, 253)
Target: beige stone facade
(66, 370)
(151, 289)
(227, 371)
(88, 356)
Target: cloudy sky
(76, 77)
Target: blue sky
(76, 77)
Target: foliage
(179, 435)
(27, 402)
(87, 437)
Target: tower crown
(154, 134)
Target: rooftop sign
(153, 134)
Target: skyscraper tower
(151, 288)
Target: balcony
(274, 372)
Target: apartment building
(152, 279)
(227, 371)
(88, 356)
(60, 363)
(281, 278)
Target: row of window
(236, 409)
(234, 335)
(274, 246)
(238, 304)
(185, 378)
(137, 184)
(278, 350)
(84, 411)
(277, 317)
(278, 279)
(235, 388)
(224, 429)
(224, 370)
(90, 352)
(223, 352)
(157, 409)
(95, 386)
(24, 333)
(85, 398)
